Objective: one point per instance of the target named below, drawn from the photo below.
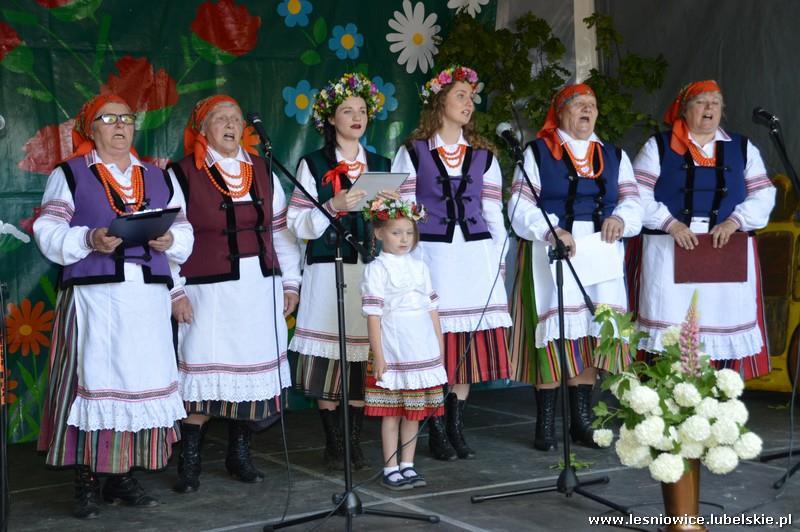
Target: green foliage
(622, 73)
(520, 67)
(577, 464)
(506, 61)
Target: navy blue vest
(574, 198)
(688, 190)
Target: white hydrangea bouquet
(675, 409)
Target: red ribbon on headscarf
(333, 177)
(194, 141)
(679, 142)
(549, 130)
(82, 142)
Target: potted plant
(676, 412)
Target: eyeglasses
(110, 118)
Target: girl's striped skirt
(104, 451)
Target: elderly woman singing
(113, 400)
(695, 179)
(586, 187)
(241, 280)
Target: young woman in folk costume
(240, 281)
(342, 111)
(586, 186)
(699, 178)
(454, 173)
(113, 401)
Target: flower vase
(682, 498)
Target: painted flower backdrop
(162, 57)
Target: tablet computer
(374, 182)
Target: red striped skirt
(483, 359)
(414, 405)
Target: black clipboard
(141, 227)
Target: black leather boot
(545, 439)
(126, 490)
(87, 494)
(581, 415)
(238, 462)
(356, 454)
(189, 459)
(334, 453)
(454, 418)
(438, 443)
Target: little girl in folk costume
(455, 175)
(405, 336)
(341, 112)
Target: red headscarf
(195, 142)
(679, 142)
(549, 129)
(82, 142)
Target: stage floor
(500, 425)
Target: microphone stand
(568, 481)
(347, 503)
(777, 139)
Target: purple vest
(450, 199)
(93, 210)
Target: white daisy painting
(472, 7)
(416, 37)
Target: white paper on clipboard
(595, 262)
(374, 182)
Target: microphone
(507, 133)
(258, 125)
(764, 117)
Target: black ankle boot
(356, 454)
(581, 416)
(545, 439)
(454, 417)
(333, 454)
(238, 462)
(126, 490)
(438, 443)
(189, 459)
(87, 494)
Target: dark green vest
(323, 248)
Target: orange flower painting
(27, 327)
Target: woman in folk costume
(241, 280)
(587, 187)
(698, 179)
(342, 111)
(113, 399)
(454, 173)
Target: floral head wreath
(447, 76)
(391, 209)
(333, 94)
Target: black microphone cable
(276, 315)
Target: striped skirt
(242, 411)
(481, 356)
(320, 377)
(414, 405)
(541, 365)
(103, 451)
